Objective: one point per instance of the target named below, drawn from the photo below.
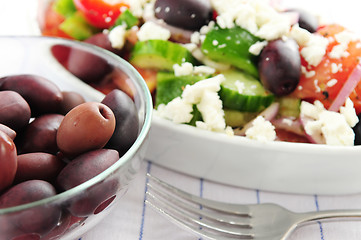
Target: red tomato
(8, 161)
(319, 87)
(100, 13)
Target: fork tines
(207, 218)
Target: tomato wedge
(101, 13)
(331, 74)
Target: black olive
(186, 14)
(279, 66)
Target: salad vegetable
(242, 67)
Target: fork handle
(327, 215)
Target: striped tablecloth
(133, 219)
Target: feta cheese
(315, 49)
(188, 69)
(176, 110)
(333, 127)
(261, 130)
(212, 112)
(300, 35)
(182, 70)
(151, 30)
(117, 36)
(194, 93)
(349, 112)
(256, 48)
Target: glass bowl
(52, 218)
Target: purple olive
(280, 66)
(40, 135)
(33, 221)
(80, 170)
(42, 95)
(14, 110)
(186, 14)
(70, 100)
(306, 20)
(38, 165)
(127, 122)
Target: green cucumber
(159, 54)
(252, 97)
(65, 8)
(170, 86)
(231, 46)
(128, 18)
(77, 27)
(289, 107)
(235, 118)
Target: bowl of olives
(67, 151)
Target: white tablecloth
(131, 219)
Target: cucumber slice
(242, 92)
(289, 107)
(170, 86)
(128, 18)
(231, 46)
(77, 27)
(159, 54)
(235, 118)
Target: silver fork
(224, 221)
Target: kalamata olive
(86, 127)
(357, 131)
(40, 135)
(87, 66)
(42, 95)
(102, 40)
(127, 122)
(306, 20)
(37, 220)
(186, 14)
(10, 132)
(38, 165)
(8, 163)
(83, 168)
(280, 66)
(14, 110)
(70, 100)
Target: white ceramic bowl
(273, 166)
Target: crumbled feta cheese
(335, 68)
(117, 36)
(332, 82)
(339, 51)
(275, 28)
(151, 30)
(212, 112)
(176, 110)
(136, 6)
(300, 35)
(187, 68)
(193, 93)
(307, 74)
(184, 69)
(315, 49)
(332, 126)
(261, 130)
(348, 111)
(203, 70)
(256, 48)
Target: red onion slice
(347, 88)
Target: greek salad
(242, 67)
